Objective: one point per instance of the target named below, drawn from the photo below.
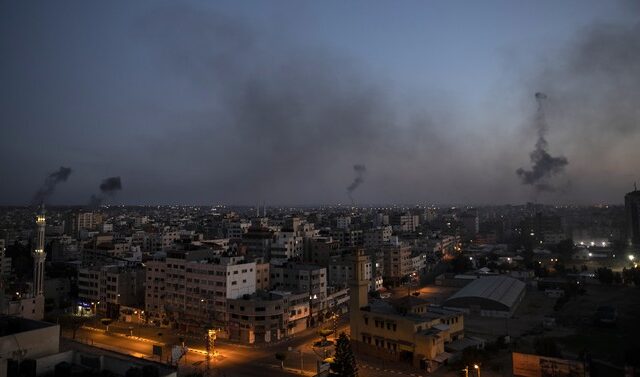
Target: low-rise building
(267, 317)
(406, 330)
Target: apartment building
(397, 262)
(341, 273)
(106, 288)
(320, 250)
(299, 278)
(287, 245)
(198, 283)
(236, 229)
(155, 290)
(405, 223)
(266, 317)
(77, 221)
(377, 237)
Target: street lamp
(476, 366)
(334, 317)
(210, 347)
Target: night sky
(300, 102)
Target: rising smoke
(359, 179)
(50, 183)
(544, 166)
(595, 83)
(108, 188)
(277, 104)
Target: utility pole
(301, 362)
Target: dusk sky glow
(237, 102)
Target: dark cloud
(50, 183)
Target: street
(231, 359)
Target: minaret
(358, 288)
(39, 256)
(359, 285)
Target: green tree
(344, 362)
(72, 322)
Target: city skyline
(195, 103)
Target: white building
(197, 284)
(377, 236)
(343, 222)
(341, 273)
(287, 245)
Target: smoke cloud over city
(108, 188)
(359, 179)
(223, 103)
(50, 183)
(543, 165)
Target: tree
(324, 333)
(106, 322)
(460, 264)
(546, 347)
(344, 362)
(605, 275)
(72, 322)
(281, 356)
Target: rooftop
(502, 289)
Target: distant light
(593, 243)
(604, 244)
(470, 258)
(631, 257)
(590, 254)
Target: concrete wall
(47, 364)
(36, 343)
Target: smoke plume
(594, 83)
(544, 166)
(279, 104)
(360, 170)
(108, 188)
(50, 183)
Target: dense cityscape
(417, 288)
(319, 188)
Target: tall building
(38, 266)
(632, 212)
(77, 221)
(397, 262)
(196, 285)
(29, 303)
(107, 288)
